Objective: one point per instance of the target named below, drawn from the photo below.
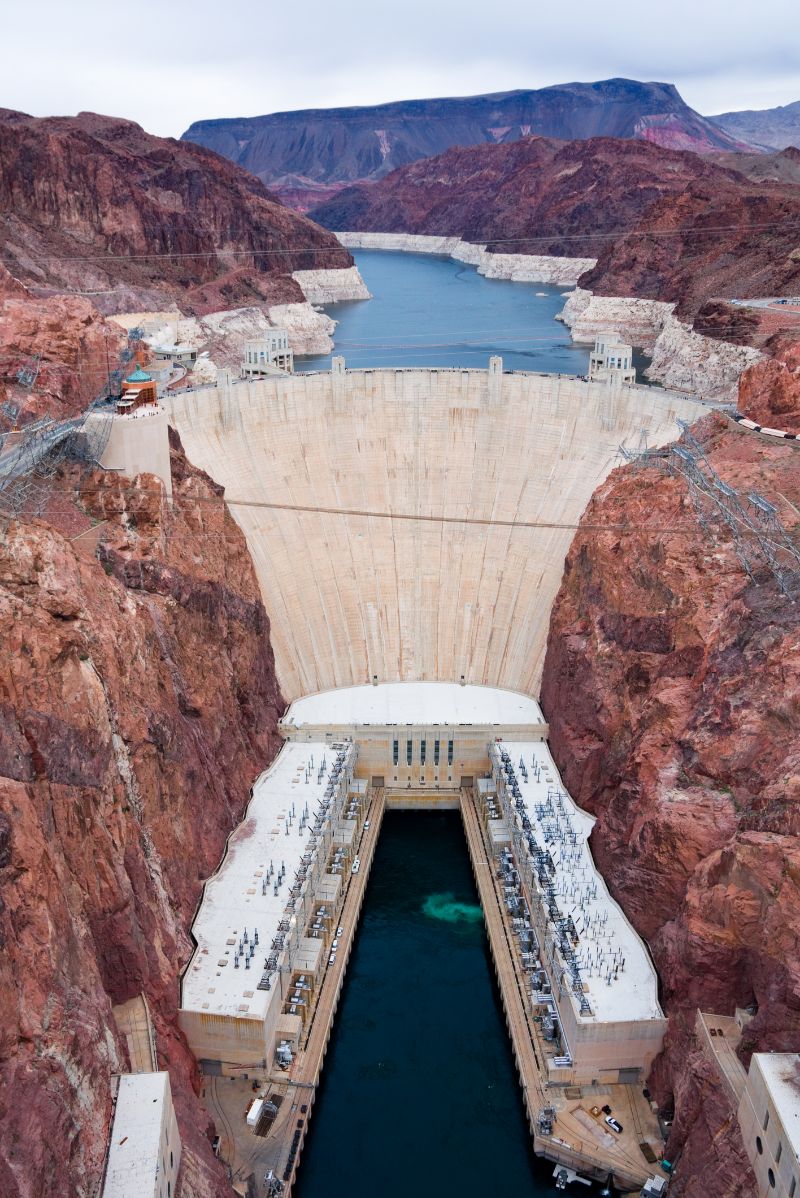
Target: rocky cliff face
(64, 340)
(661, 224)
(770, 394)
(672, 684)
(681, 357)
(94, 204)
(139, 702)
(307, 152)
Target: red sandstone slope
(137, 704)
(65, 340)
(663, 224)
(672, 683)
(96, 205)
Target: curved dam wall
(413, 557)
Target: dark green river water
(419, 1094)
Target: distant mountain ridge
(308, 154)
(663, 224)
(766, 128)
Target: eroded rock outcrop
(516, 268)
(63, 340)
(681, 357)
(95, 204)
(770, 392)
(138, 702)
(672, 685)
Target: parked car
(366, 825)
(356, 865)
(340, 931)
(614, 1124)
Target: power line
(376, 514)
(630, 231)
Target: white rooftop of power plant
(613, 961)
(237, 900)
(437, 703)
(135, 1150)
(781, 1073)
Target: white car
(614, 1124)
(332, 959)
(366, 825)
(356, 865)
(335, 944)
(340, 931)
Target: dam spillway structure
(408, 530)
(411, 525)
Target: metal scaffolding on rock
(758, 536)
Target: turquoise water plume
(447, 908)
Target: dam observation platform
(276, 924)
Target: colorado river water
(431, 311)
(419, 1095)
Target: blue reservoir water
(430, 311)
(419, 1093)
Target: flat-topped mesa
(255, 930)
(590, 973)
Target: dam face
(401, 537)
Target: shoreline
(681, 359)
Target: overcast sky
(166, 63)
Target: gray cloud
(166, 63)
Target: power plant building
(144, 1155)
(269, 354)
(769, 1118)
(267, 915)
(611, 361)
(591, 976)
(419, 736)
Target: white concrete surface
(433, 510)
(138, 443)
(436, 703)
(769, 1120)
(233, 900)
(145, 1150)
(781, 1073)
(617, 993)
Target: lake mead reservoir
(432, 311)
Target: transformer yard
(276, 924)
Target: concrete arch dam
(398, 541)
